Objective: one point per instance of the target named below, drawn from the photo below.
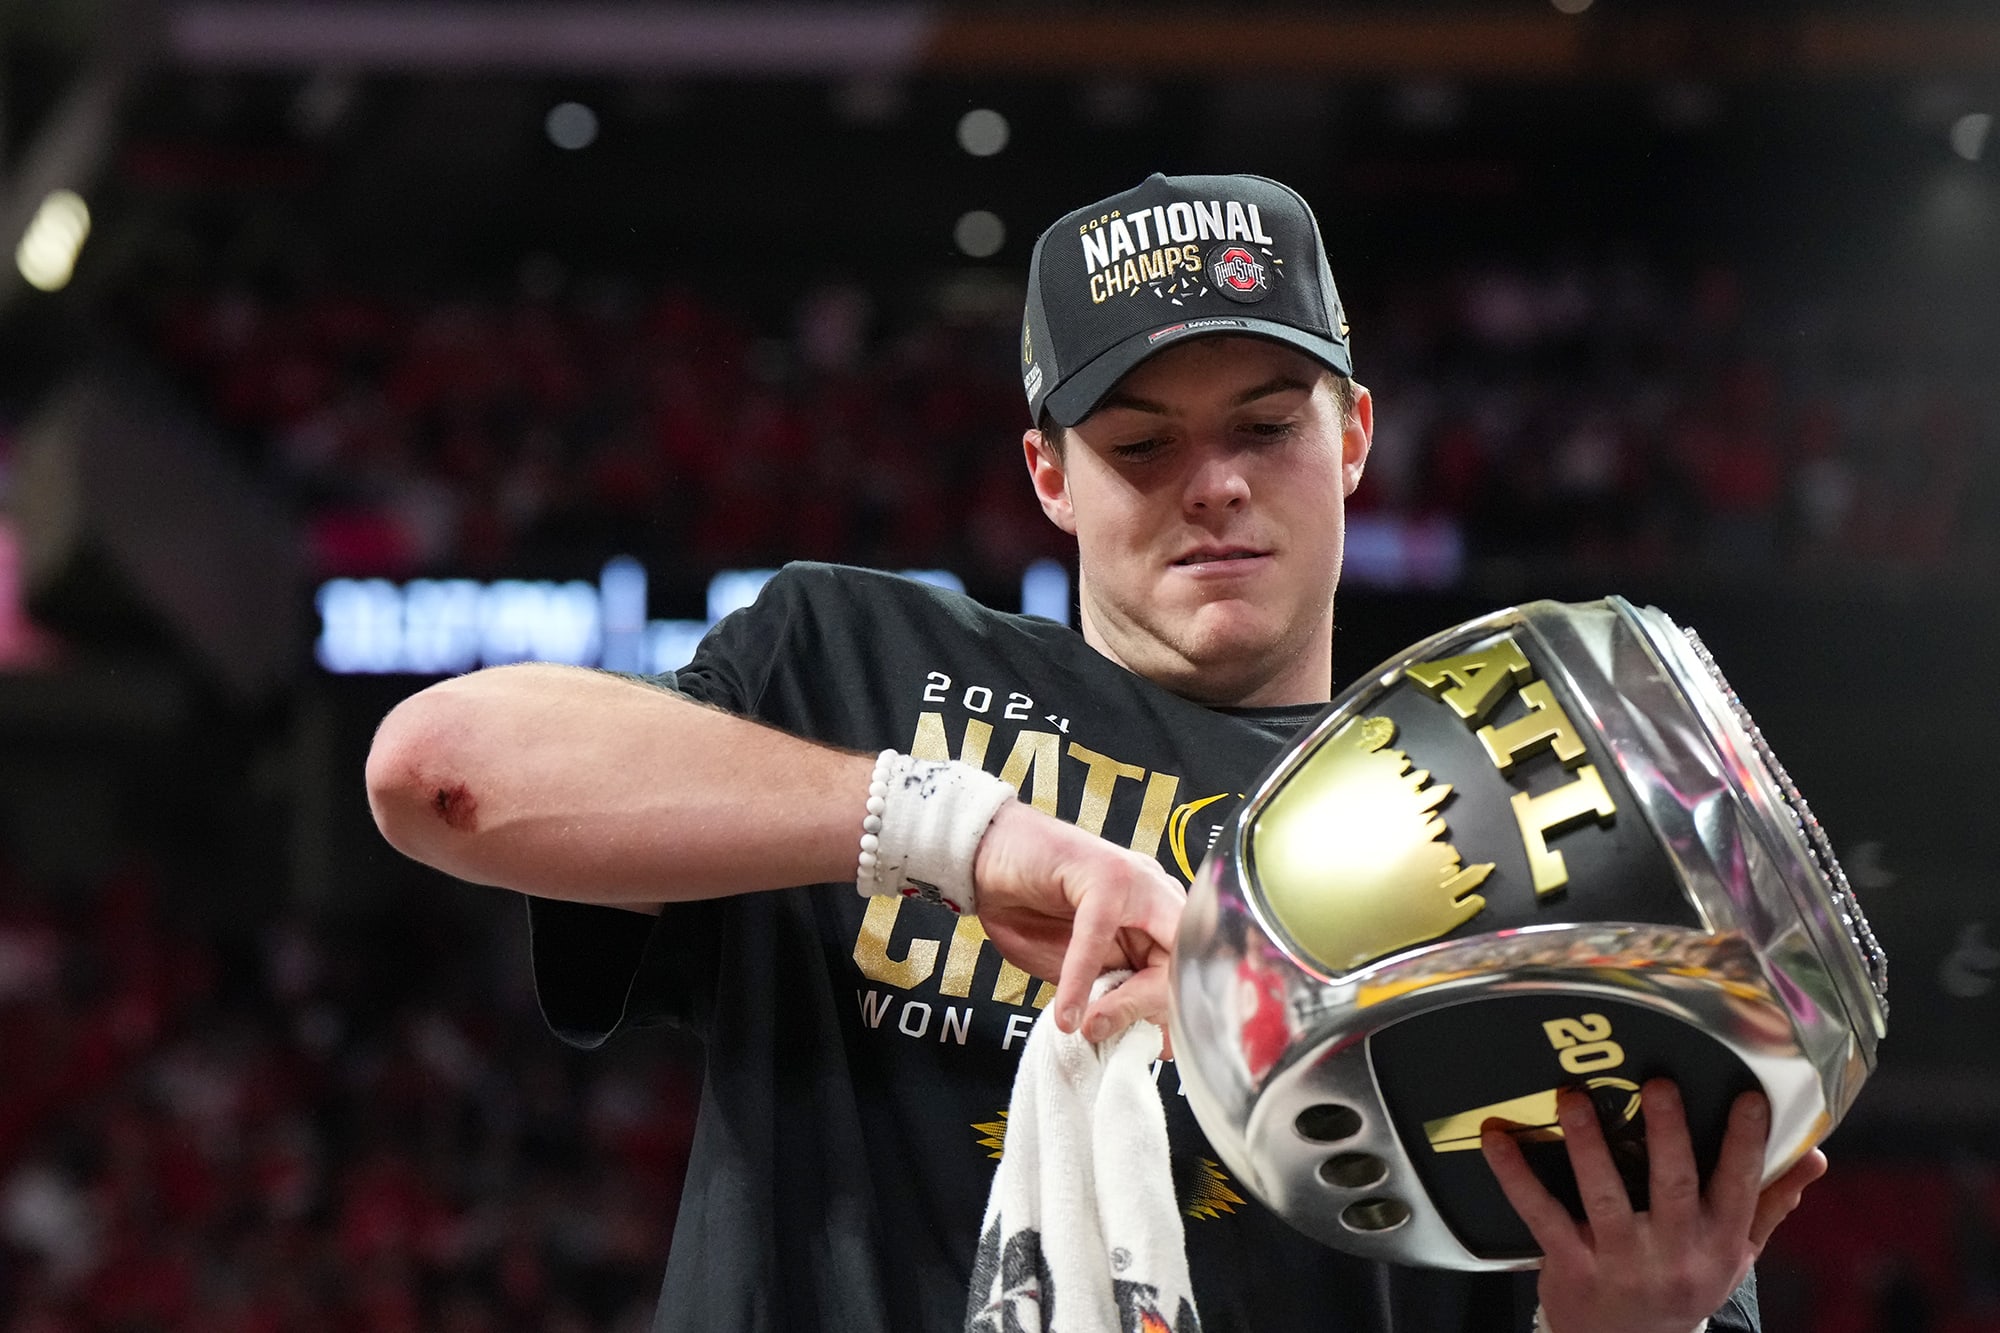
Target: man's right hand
(1065, 904)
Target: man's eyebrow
(1278, 384)
(1134, 403)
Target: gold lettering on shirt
(1098, 784)
(932, 743)
(1161, 789)
(871, 948)
(1010, 987)
(1036, 754)
(963, 960)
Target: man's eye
(1270, 430)
(1139, 450)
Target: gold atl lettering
(1545, 725)
(1477, 680)
(1553, 811)
(1033, 768)
(1472, 686)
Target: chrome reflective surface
(1782, 970)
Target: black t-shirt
(861, 1052)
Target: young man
(690, 846)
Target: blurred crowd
(478, 436)
(1896, 1246)
(309, 1130)
(1607, 416)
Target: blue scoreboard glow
(436, 627)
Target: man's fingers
(1739, 1168)
(1153, 906)
(1092, 942)
(1782, 1195)
(1547, 1220)
(1674, 1181)
(1116, 905)
(1606, 1204)
(1141, 995)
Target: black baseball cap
(1175, 257)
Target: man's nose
(1218, 481)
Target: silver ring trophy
(1546, 848)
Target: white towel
(1082, 1233)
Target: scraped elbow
(417, 792)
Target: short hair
(1343, 398)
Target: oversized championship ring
(1545, 849)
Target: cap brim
(1079, 394)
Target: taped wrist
(922, 829)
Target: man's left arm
(1665, 1269)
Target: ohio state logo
(1237, 273)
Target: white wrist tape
(923, 827)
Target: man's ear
(1045, 469)
(1355, 438)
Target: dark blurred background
(344, 345)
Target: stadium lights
(571, 126)
(982, 132)
(980, 233)
(47, 253)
